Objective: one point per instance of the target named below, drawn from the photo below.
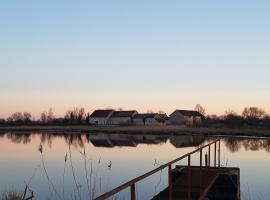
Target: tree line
(76, 116)
(250, 117)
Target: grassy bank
(173, 130)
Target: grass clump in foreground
(12, 195)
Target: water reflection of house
(118, 140)
(124, 140)
(186, 117)
(105, 140)
(100, 140)
(150, 139)
(186, 141)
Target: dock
(192, 182)
(205, 183)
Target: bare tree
(75, 116)
(47, 117)
(27, 117)
(50, 116)
(43, 117)
(200, 109)
(161, 112)
(230, 112)
(253, 113)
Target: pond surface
(66, 166)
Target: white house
(122, 117)
(186, 117)
(100, 117)
(149, 119)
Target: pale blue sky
(134, 54)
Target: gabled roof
(129, 113)
(162, 117)
(145, 115)
(101, 113)
(190, 113)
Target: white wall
(177, 118)
(97, 121)
(119, 120)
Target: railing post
(170, 182)
(189, 178)
(200, 171)
(219, 153)
(215, 155)
(209, 155)
(132, 192)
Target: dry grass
(10, 196)
(175, 130)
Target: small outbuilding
(149, 119)
(186, 117)
(100, 117)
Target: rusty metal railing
(168, 165)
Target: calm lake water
(60, 171)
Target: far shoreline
(137, 130)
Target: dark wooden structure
(205, 183)
(190, 183)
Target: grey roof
(101, 113)
(129, 113)
(190, 113)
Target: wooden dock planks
(205, 183)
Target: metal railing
(168, 165)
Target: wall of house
(151, 121)
(148, 121)
(138, 121)
(198, 120)
(177, 118)
(97, 121)
(119, 120)
(188, 120)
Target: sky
(158, 55)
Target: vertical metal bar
(219, 153)
(189, 178)
(132, 192)
(200, 171)
(170, 182)
(209, 155)
(206, 159)
(200, 158)
(215, 155)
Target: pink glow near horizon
(213, 102)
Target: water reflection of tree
(233, 144)
(47, 138)
(255, 145)
(19, 138)
(80, 140)
(76, 140)
(267, 145)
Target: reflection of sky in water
(130, 156)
